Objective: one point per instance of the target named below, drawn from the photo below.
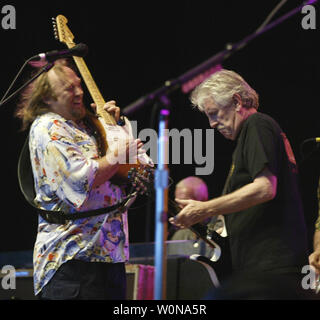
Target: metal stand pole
(161, 188)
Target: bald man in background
(189, 188)
(196, 189)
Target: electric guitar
(219, 264)
(111, 134)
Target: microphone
(80, 50)
(316, 140)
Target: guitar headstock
(62, 31)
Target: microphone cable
(14, 80)
(307, 156)
(47, 67)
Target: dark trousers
(80, 280)
(278, 284)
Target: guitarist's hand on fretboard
(110, 107)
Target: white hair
(221, 87)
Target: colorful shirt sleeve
(67, 170)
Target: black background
(134, 47)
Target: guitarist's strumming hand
(125, 151)
(193, 212)
(110, 107)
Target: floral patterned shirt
(62, 155)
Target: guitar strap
(26, 184)
(217, 222)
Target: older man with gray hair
(261, 202)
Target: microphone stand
(172, 85)
(161, 187)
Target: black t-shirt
(272, 235)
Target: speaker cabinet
(140, 280)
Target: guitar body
(223, 266)
(217, 262)
(117, 135)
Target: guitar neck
(94, 91)
(63, 34)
